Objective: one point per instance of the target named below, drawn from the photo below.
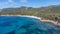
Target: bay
(25, 25)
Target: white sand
(24, 16)
(34, 17)
(50, 21)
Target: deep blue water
(25, 25)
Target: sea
(26, 25)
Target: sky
(27, 3)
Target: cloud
(0, 3)
(10, 1)
(4, 2)
(23, 1)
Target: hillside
(50, 12)
(31, 11)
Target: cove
(25, 25)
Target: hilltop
(31, 11)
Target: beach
(24, 24)
(50, 21)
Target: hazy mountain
(25, 10)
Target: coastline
(23, 16)
(50, 21)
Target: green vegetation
(50, 12)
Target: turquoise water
(25, 25)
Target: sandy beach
(23, 16)
(50, 21)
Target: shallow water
(25, 25)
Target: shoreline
(23, 16)
(54, 22)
